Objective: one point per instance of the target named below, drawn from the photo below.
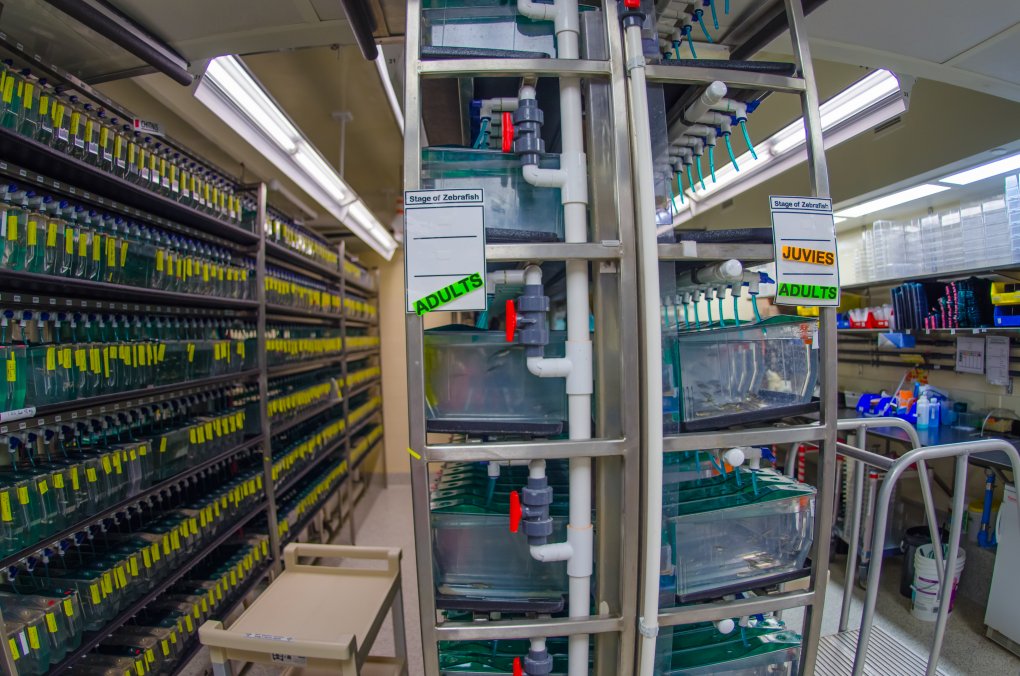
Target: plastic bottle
(923, 413)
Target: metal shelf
(93, 639)
(751, 437)
(355, 355)
(13, 559)
(513, 68)
(695, 251)
(999, 270)
(51, 291)
(360, 287)
(281, 426)
(300, 262)
(361, 423)
(289, 482)
(371, 449)
(87, 404)
(375, 382)
(291, 368)
(307, 518)
(539, 450)
(734, 79)
(510, 629)
(964, 330)
(35, 156)
(721, 610)
(286, 310)
(360, 321)
(558, 251)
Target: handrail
(961, 451)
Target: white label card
(804, 236)
(444, 237)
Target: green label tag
(447, 294)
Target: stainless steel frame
(614, 282)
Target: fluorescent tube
(895, 199)
(983, 171)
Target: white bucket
(924, 598)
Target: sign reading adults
(807, 265)
(444, 240)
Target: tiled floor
(386, 520)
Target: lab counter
(941, 435)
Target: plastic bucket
(924, 600)
(913, 538)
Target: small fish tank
(514, 210)
(763, 648)
(478, 383)
(748, 373)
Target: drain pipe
(572, 179)
(648, 264)
(712, 95)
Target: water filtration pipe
(723, 273)
(572, 179)
(648, 280)
(710, 97)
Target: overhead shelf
(695, 251)
(284, 424)
(1011, 272)
(736, 79)
(300, 262)
(555, 251)
(35, 156)
(513, 67)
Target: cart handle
(295, 550)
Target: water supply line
(651, 344)
(572, 180)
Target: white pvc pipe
(711, 96)
(641, 147)
(723, 272)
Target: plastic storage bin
(478, 383)
(739, 374)
(515, 210)
(490, 28)
(765, 649)
(734, 532)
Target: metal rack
(26, 161)
(822, 433)
(610, 252)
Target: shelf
(194, 645)
(355, 355)
(999, 270)
(362, 387)
(303, 522)
(12, 559)
(300, 262)
(370, 291)
(964, 330)
(361, 321)
(734, 79)
(358, 426)
(555, 251)
(281, 426)
(695, 251)
(370, 451)
(92, 639)
(35, 156)
(116, 402)
(288, 482)
(521, 450)
(286, 310)
(513, 67)
(721, 610)
(291, 368)
(517, 629)
(760, 436)
(52, 291)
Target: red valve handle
(508, 133)
(511, 321)
(518, 669)
(632, 4)
(515, 511)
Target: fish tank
(764, 648)
(736, 531)
(748, 373)
(478, 383)
(514, 210)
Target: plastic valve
(518, 669)
(515, 511)
(511, 321)
(632, 4)
(508, 132)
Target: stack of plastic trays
(479, 564)
(763, 648)
(998, 242)
(951, 229)
(734, 532)
(865, 257)
(931, 244)
(973, 226)
(1013, 214)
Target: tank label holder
(444, 239)
(804, 237)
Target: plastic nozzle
(729, 151)
(701, 178)
(676, 50)
(711, 162)
(747, 139)
(680, 185)
(482, 133)
(715, 18)
(726, 7)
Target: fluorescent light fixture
(391, 95)
(895, 199)
(236, 97)
(852, 101)
(1001, 166)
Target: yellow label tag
(133, 565)
(33, 637)
(165, 645)
(12, 370)
(97, 246)
(187, 621)
(159, 261)
(191, 352)
(156, 556)
(162, 445)
(31, 234)
(5, 507)
(107, 467)
(68, 608)
(44, 487)
(90, 475)
(74, 479)
(51, 234)
(107, 583)
(23, 494)
(58, 481)
(94, 364)
(146, 559)
(150, 656)
(111, 252)
(94, 592)
(51, 359)
(12, 227)
(140, 667)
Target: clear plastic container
(731, 532)
(765, 649)
(515, 210)
(485, 28)
(739, 374)
(476, 382)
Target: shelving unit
(610, 254)
(41, 168)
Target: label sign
(147, 127)
(444, 237)
(804, 236)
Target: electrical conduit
(572, 179)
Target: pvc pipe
(711, 96)
(724, 272)
(727, 105)
(552, 552)
(499, 104)
(641, 146)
